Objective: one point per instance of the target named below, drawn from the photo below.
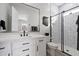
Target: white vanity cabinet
(31, 46)
(23, 47)
(5, 48)
(34, 45)
(41, 46)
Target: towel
(77, 22)
(2, 24)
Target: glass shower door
(64, 30)
(70, 33)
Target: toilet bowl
(52, 45)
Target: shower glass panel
(70, 31)
(56, 25)
(56, 30)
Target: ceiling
(39, 5)
(42, 6)
(58, 4)
(45, 5)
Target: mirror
(19, 17)
(45, 20)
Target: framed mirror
(45, 20)
(19, 15)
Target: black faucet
(24, 33)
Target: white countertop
(16, 36)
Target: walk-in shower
(64, 27)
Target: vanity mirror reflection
(19, 15)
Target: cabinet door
(41, 47)
(5, 49)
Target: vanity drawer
(21, 51)
(5, 49)
(4, 46)
(17, 45)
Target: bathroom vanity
(12, 44)
(21, 18)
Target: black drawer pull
(2, 48)
(40, 40)
(25, 50)
(27, 55)
(25, 43)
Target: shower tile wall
(56, 31)
(56, 38)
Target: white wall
(46, 12)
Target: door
(41, 47)
(5, 49)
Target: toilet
(51, 47)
